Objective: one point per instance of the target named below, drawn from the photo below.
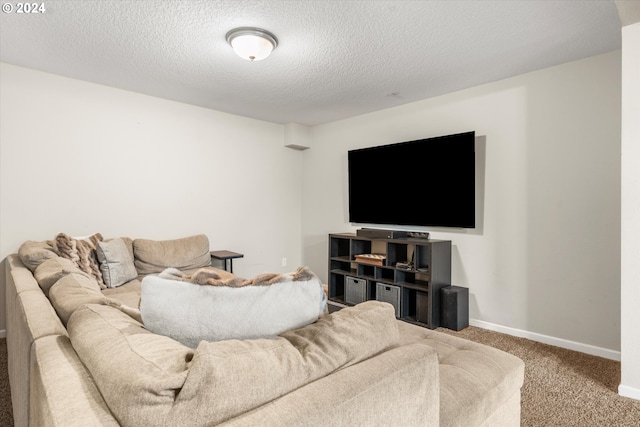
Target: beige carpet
(561, 387)
(6, 413)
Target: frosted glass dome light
(252, 44)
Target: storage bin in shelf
(389, 293)
(355, 291)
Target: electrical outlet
(284, 262)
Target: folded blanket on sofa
(263, 307)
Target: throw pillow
(82, 251)
(116, 263)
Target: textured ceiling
(335, 59)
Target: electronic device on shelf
(418, 235)
(381, 234)
(405, 265)
(409, 265)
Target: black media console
(407, 272)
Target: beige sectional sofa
(79, 355)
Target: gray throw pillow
(116, 263)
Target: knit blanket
(82, 251)
(214, 305)
(215, 277)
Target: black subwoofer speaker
(455, 307)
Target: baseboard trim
(630, 392)
(545, 339)
(3, 333)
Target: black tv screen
(428, 182)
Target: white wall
(630, 178)
(545, 257)
(79, 158)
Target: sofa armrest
(29, 316)
(62, 391)
(397, 387)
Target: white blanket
(190, 313)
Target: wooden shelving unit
(419, 285)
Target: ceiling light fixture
(252, 44)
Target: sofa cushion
(61, 391)
(116, 263)
(259, 308)
(32, 253)
(29, 317)
(169, 384)
(137, 372)
(72, 292)
(127, 294)
(262, 370)
(153, 256)
(128, 242)
(473, 376)
(398, 387)
(52, 270)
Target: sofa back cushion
(32, 254)
(137, 372)
(52, 270)
(72, 292)
(153, 256)
(232, 377)
(149, 380)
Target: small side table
(226, 255)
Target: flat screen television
(427, 182)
